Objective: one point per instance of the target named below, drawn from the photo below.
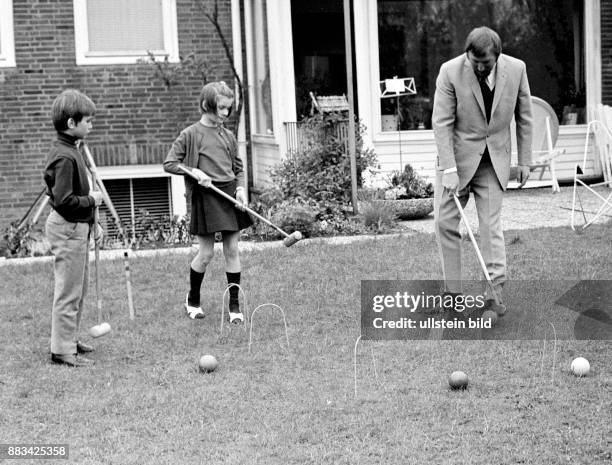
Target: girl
(210, 152)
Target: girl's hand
(203, 178)
(241, 197)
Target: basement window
(123, 31)
(132, 198)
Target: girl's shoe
(236, 317)
(193, 311)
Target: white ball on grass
(208, 363)
(580, 366)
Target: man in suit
(477, 94)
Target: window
(417, 36)
(7, 41)
(122, 31)
(130, 197)
(262, 96)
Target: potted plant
(408, 193)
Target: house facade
(565, 44)
(101, 48)
(144, 67)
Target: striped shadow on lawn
(144, 400)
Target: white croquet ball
(208, 363)
(580, 366)
(458, 380)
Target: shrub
(293, 216)
(27, 241)
(320, 170)
(152, 231)
(408, 184)
(316, 180)
(378, 216)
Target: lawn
(144, 401)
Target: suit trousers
(488, 195)
(70, 247)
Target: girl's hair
(71, 104)
(481, 40)
(209, 94)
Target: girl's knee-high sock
(195, 282)
(233, 278)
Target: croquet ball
(458, 380)
(580, 366)
(297, 235)
(490, 315)
(208, 363)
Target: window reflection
(417, 36)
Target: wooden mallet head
(292, 238)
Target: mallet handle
(25, 217)
(97, 266)
(235, 202)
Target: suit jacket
(460, 124)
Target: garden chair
(545, 134)
(602, 155)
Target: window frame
(7, 35)
(85, 57)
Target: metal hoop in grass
(244, 299)
(355, 363)
(253, 318)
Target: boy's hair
(482, 39)
(209, 94)
(71, 104)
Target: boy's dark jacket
(66, 179)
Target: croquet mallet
(500, 308)
(109, 204)
(101, 328)
(289, 239)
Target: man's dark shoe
(500, 309)
(83, 348)
(71, 360)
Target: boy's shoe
(194, 312)
(83, 348)
(71, 360)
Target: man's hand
(203, 179)
(97, 196)
(450, 182)
(98, 233)
(522, 174)
(241, 197)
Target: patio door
(318, 51)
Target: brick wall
(606, 51)
(132, 104)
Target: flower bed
(409, 209)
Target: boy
(70, 224)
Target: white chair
(603, 151)
(545, 134)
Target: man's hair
(71, 104)
(482, 39)
(209, 94)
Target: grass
(144, 401)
